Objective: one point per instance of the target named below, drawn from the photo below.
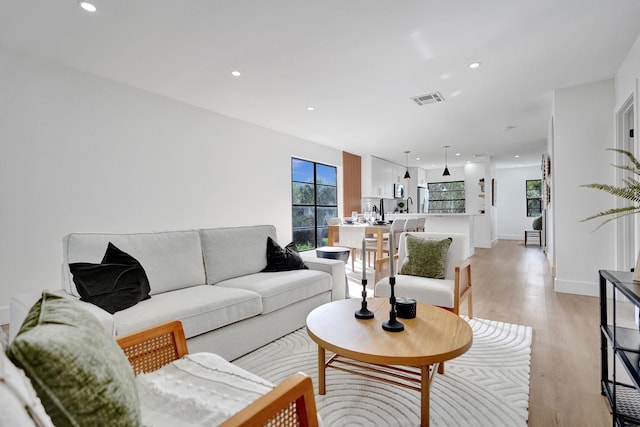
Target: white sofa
(210, 280)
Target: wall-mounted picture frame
(398, 191)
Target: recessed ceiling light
(474, 65)
(517, 156)
(89, 7)
(310, 108)
(458, 154)
(417, 158)
(235, 73)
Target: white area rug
(487, 386)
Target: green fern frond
(630, 190)
(630, 156)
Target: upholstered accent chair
(447, 290)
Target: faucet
(409, 199)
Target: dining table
(376, 229)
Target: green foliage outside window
(314, 198)
(534, 197)
(446, 197)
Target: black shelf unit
(624, 342)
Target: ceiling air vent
(429, 98)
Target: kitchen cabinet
(382, 178)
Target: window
(534, 197)
(314, 192)
(446, 197)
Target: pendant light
(446, 168)
(406, 174)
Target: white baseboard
(510, 237)
(4, 315)
(590, 289)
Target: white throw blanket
(201, 389)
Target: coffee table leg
(424, 396)
(321, 371)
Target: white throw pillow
(20, 404)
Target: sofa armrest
(332, 266)
(22, 303)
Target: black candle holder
(364, 312)
(392, 325)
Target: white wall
(512, 203)
(583, 130)
(627, 76)
(80, 153)
(626, 83)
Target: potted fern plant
(629, 191)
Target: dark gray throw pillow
(279, 259)
(117, 283)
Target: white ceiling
(358, 62)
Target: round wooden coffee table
(362, 347)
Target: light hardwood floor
(512, 283)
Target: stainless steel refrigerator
(423, 200)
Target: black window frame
(309, 228)
(533, 202)
(439, 198)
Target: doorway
(626, 226)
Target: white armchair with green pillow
(432, 268)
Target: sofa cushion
(439, 292)
(172, 260)
(234, 252)
(281, 289)
(78, 370)
(117, 283)
(283, 259)
(200, 308)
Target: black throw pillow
(117, 283)
(279, 259)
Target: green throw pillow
(78, 370)
(426, 257)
